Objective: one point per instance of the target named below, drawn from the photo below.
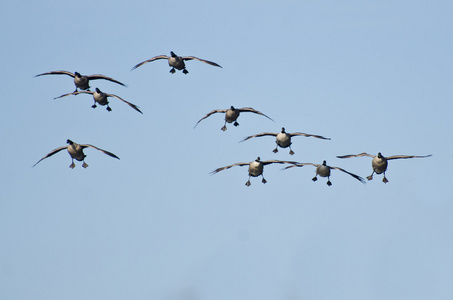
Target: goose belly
(283, 140)
(255, 169)
(323, 171)
(176, 63)
(76, 152)
(81, 82)
(231, 115)
(100, 98)
(379, 165)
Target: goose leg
(248, 182)
(371, 176)
(236, 124)
(185, 71)
(263, 180)
(384, 180)
(94, 105)
(108, 108)
(172, 71)
(275, 150)
(328, 181)
(72, 166)
(224, 127)
(84, 164)
(291, 152)
(315, 178)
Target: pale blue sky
(372, 76)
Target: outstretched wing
(249, 109)
(52, 153)
(102, 150)
(128, 103)
(212, 112)
(99, 76)
(227, 167)
(259, 135)
(308, 135)
(150, 60)
(57, 73)
(75, 93)
(406, 156)
(203, 60)
(352, 174)
(301, 165)
(268, 162)
(356, 155)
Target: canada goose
(379, 162)
(76, 152)
(232, 114)
(255, 168)
(175, 61)
(323, 170)
(82, 81)
(101, 98)
(283, 139)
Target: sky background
(374, 76)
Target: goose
(101, 98)
(76, 152)
(323, 170)
(81, 81)
(255, 168)
(380, 163)
(283, 139)
(176, 62)
(231, 115)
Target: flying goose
(379, 162)
(323, 170)
(101, 98)
(231, 115)
(82, 81)
(176, 62)
(283, 139)
(76, 152)
(255, 168)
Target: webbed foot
(314, 178)
(108, 108)
(185, 71)
(329, 183)
(223, 128)
(236, 124)
(72, 166)
(248, 183)
(275, 150)
(291, 152)
(172, 71)
(369, 177)
(93, 106)
(85, 165)
(264, 180)
(384, 180)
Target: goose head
(379, 155)
(232, 107)
(258, 159)
(172, 54)
(98, 90)
(69, 142)
(77, 74)
(283, 130)
(324, 163)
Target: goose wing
(406, 156)
(356, 155)
(102, 150)
(52, 153)
(259, 135)
(352, 174)
(212, 112)
(202, 60)
(301, 165)
(308, 135)
(75, 93)
(99, 76)
(227, 167)
(57, 73)
(249, 109)
(128, 103)
(274, 161)
(150, 60)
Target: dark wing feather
(308, 135)
(352, 174)
(267, 162)
(249, 109)
(99, 76)
(57, 73)
(212, 112)
(259, 135)
(128, 103)
(150, 60)
(406, 156)
(75, 93)
(227, 167)
(202, 60)
(102, 150)
(356, 155)
(301, 165)
(52, 153)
